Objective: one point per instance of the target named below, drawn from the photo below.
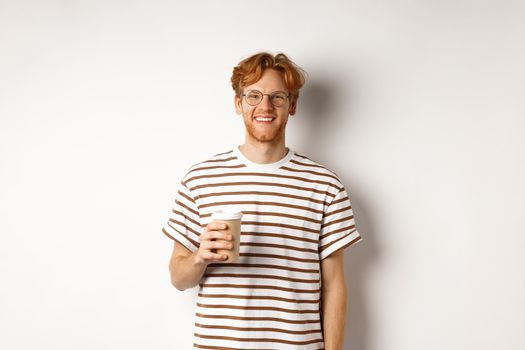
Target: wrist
(198, 261)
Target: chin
(265, 138)
(259, 137)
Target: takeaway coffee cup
(232, 218)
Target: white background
(417, 105)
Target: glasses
(277, 98)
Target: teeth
(264, 119)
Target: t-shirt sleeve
(338, 230)
(183, 224)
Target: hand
(211, 240)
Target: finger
(214, 256)
(209, 245)
(216, 235)
(216, 226)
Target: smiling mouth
(264, 119)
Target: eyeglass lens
(254, 97)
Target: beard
(272, 134)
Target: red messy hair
(251, 69)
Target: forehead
(270, 81)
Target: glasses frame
(269, 97)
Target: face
(258, 129)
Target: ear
(293, 107)
(238, 104)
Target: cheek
(247, 111)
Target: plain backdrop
(417, 105)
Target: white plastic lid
(226, 214)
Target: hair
(251, 69)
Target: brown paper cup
(232, 218)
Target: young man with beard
(287, 290)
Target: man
(287, 291)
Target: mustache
(263, 112)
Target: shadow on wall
(321, 111)
(318, 106)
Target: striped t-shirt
(296, 212)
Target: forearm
(186, 271)
(334, 302)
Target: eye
(253, 95)
(278, 97)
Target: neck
(263, 152)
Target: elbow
(336, 289)
(177, 286)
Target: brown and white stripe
(296, 212)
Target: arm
(334, 302)
(187, 268)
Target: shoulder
(219, 160)
(314, 168)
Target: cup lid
(226, 214)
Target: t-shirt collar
(262, 166)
